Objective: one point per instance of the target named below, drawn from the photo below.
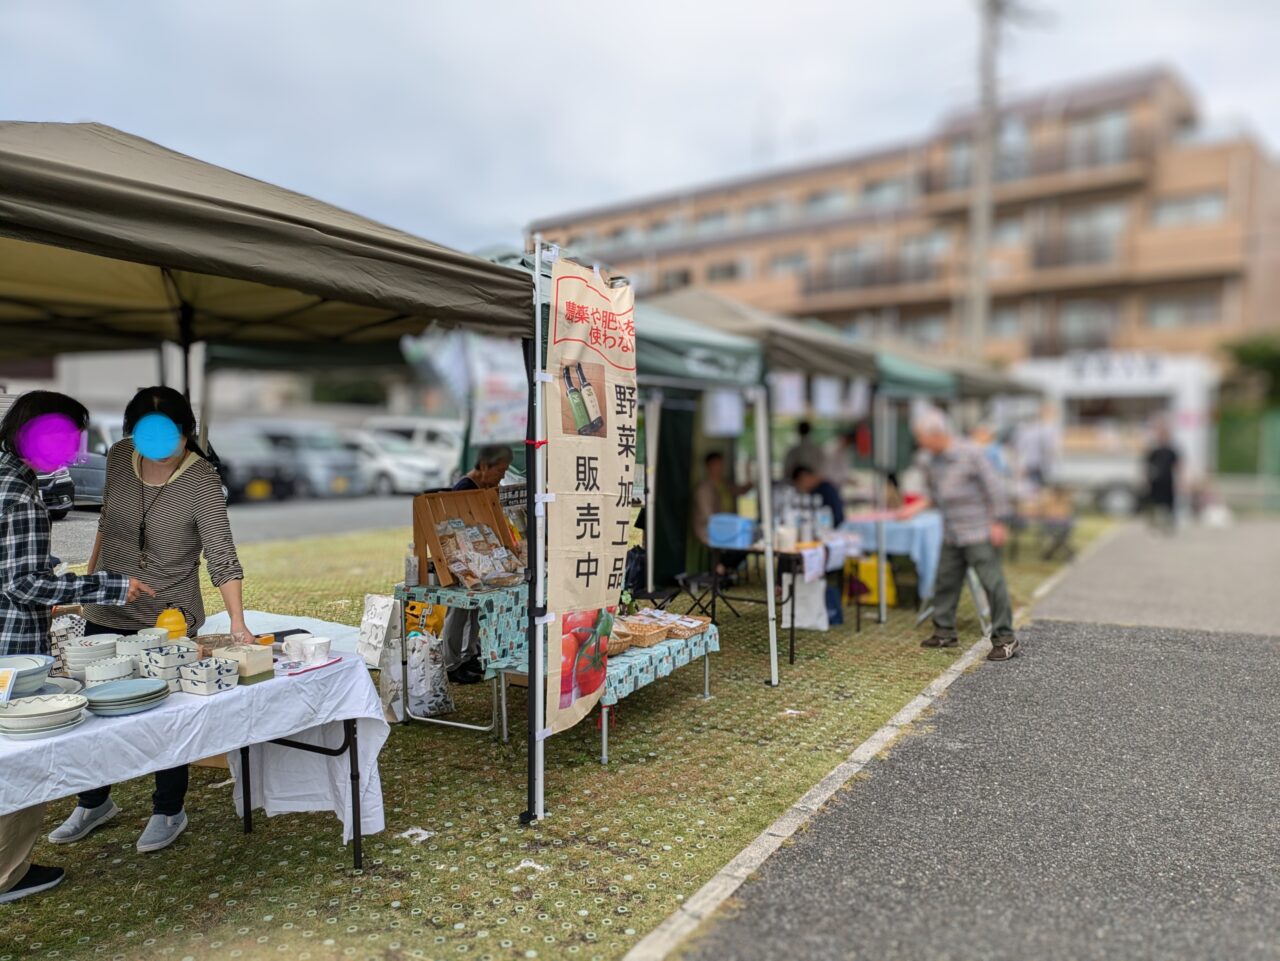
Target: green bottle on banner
(581, 422)
(595, 418)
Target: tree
(1262, 355)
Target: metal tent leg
(604, 734)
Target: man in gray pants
(462, 627)
(965, 488)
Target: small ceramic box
(210, 669)
(171, 655)
(212, 685)
(165, 673)
(253, 659)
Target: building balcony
(1074, 252)
(885, 274)
(1046, 171)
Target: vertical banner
(499, 390)
(591, 461)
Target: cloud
(462, 122)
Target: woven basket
(677, 630)
(639, 632)
(619, 641)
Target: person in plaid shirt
(28, 591)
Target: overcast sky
(463, 121)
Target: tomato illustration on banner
(591, 407)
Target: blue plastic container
(731, 531)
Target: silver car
(321, 464)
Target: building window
(854, 261)
(665, 230)
(762, 215)
(1007, 232)
(826, 202)
(726, 270)
(1013, 150)
(1101, 138)
(1202, 208)
(885, 194)
(1170, 313)
(927, 331)
(1006, 323)
(959, 163)
(675, 279)
(1086, 323)
(795, 262)
(712, 222)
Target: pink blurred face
(934, 441)
(49, 442)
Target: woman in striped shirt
(158, 517)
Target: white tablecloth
(187, 727)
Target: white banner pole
(764, 490)
(537, 683)
(652, 424)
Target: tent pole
(881, 440)
(652, 424)
(206, 404)
(534, 481)
(186, 325)
(764, 490)
(160, 366)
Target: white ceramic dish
(214, 685)
(164, 673)
(93, 640)
(109, 669)
(60, 685)
(171, 655)
(32, 671)
(307, 648)
(157, 632)
(210, 669)
(39, 712)
(45, 732)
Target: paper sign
(8, 678)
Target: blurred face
(490, 475)
(934, 441)
(982, 435)
(806, 482)
(715, 468)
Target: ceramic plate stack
(121, 698)
(79, 654)
(30, 718)
(32, 669)
(61, 685)
(108, 669)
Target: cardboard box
(252, 658)
(472, 507)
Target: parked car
(438, 436)
(321, 464)
(58, 492)
(251, 468)
(389, 464)
(89, 475)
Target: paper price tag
(8, 678)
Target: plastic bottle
(411, 578)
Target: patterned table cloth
(637, 666)
(504, 620)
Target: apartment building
(1120, 223)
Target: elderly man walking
(965, 488)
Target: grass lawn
(690, 782)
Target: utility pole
(978, 301)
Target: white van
(437, 435)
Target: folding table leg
(245, 794)
(502, 696)
(706, 677)
(604, 734)
(353, 752)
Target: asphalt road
(1112, 793)
(1217, 579)
(73, 537)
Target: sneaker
(463, 676)
(1002, 652)
(82, 821)
(472, 666)
(38, 878)
(940, 640)
(162, 830)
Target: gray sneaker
(162, 831)
(82, 821)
